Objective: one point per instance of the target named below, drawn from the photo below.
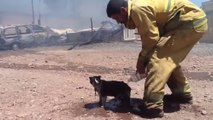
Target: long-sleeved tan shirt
(151, 16)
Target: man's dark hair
(114, 6)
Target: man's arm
(145, 21)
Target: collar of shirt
(129, 7)
(129, 24)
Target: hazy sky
(198, 2)
(26, 4)
(85, 10)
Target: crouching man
(169, 29)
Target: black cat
(120, 90)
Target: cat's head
(95, 80)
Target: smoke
(82, 8)
(73, 14)
(77, 12)
(56, 6)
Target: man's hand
(136, 77)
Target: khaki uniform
(169, 29)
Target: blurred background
(74, 14)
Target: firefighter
(169, 29)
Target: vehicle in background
(22, 36)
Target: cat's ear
(99, 77)
(91, 78)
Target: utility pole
(91, 24)
(33, 22)
(39, 14)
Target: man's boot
(152, 112)
(178, 99)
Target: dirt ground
(52, 83)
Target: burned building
(208, 8)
